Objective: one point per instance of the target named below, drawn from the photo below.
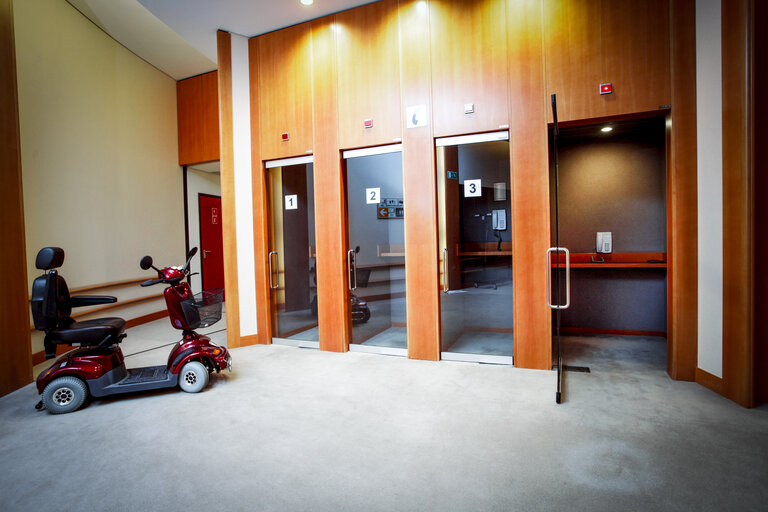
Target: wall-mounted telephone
(499, 218)
(604, 243)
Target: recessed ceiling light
(306, 2)
(606, 129)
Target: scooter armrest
(91, 300)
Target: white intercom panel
(499, 218)
(604, 242)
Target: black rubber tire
(366, 315)
(65, 394)
(193, 377)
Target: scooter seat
(88, 332)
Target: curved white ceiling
(179, 36)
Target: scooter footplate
(148, 374)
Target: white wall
(241, 120)
(710, 185)
(99, 152)
(198, 182)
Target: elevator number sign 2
(373, 195)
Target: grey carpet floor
(296, 429)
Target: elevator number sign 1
(291, 202)
(473, 188)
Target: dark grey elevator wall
(614, 182)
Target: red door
(211, 246)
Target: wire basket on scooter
(203, 309)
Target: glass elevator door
(475, 244)
(376, 250)
(291, 258)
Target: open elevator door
(554, 261)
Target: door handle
(445, 269)
(352, 268)
(205, 252)
(567, 278)
(272, 271)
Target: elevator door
(376, 250)
(475, 244)
(291, 258)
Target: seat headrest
(49, 257)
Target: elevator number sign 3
(473, 188)
(291, 202)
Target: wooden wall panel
(635, 48)
(369, 75)
(14, 309)
(469, 65)
(285, 92)
(197, 107)
(228, 214)
(260, 204)
(761, 207)
(419, 187)
(622, 42)
(573, 57)
(738, 201)
(529, 162)
(682, 226)
(330, 217)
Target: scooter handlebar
(150, 282)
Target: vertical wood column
(330, 215)
(260, 204)
(760, 67)
(529, 162)
(738, 201)
(228, 215)
(419, 186)
(682, 230)
(14, 311)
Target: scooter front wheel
(193, 377)
(65, 394)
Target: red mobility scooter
(97, 368)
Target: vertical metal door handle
(352, 270)
(567, 278)
(272, 271)
(445, 269)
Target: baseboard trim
(39, 357)
(253, 339)
(577, 331)
(709, 381)
(151, 317)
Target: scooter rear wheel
(65, 394)
(193, 377)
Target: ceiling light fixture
(606, 129)
(306, 2)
